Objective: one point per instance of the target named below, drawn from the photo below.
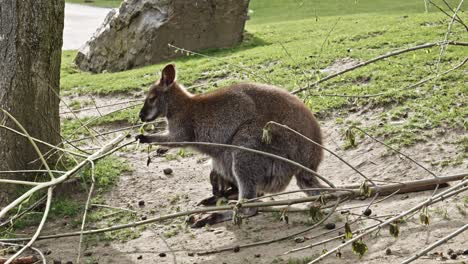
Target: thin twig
(36, 148)
(453, 11)
(45, 143)
(397, 151)
(458, 19)
(39, 228)
(267, 154)
(436, 244)
(445, 43)
(217, 59)
(115, 208)
(324, 148)
(19, 215)
(88, 201)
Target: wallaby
(236, 115)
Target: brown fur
(237, 115)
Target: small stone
(47, 252)
(453, 256)
(144, 217)
(167, 171)
(190, 254)
(299, 239)
(257, 255)
(236, 249)
(465, 252)
(140, 257)
(141, 203)
(162, 254)
(388, 251)
(367, 212)
(218, 232)
(330, 226)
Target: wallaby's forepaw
(142, 138)
(210, 201)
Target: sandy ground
(80, 24)
(188, 184)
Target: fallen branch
(340, 194)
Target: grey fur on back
(237, 115)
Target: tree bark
(30, 55)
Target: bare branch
(391, 54)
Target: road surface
(80, 24)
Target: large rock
(138, 33)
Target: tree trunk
(30, 54)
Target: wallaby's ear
(168, 75)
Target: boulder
(140, 31)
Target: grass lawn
(288, 50)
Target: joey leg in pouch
(246, 171)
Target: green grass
(270, 11)
(359, 29)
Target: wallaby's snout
(156, 100)
(143, 115)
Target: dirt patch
(189, 183)
(340, 65)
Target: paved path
(80, 24)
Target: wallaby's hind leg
(220, 188)
(306, 180)
(246, 171)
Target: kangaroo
(236, 115)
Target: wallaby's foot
(142, 138)
(198, 221)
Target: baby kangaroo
(236, 115)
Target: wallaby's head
(156, 102)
